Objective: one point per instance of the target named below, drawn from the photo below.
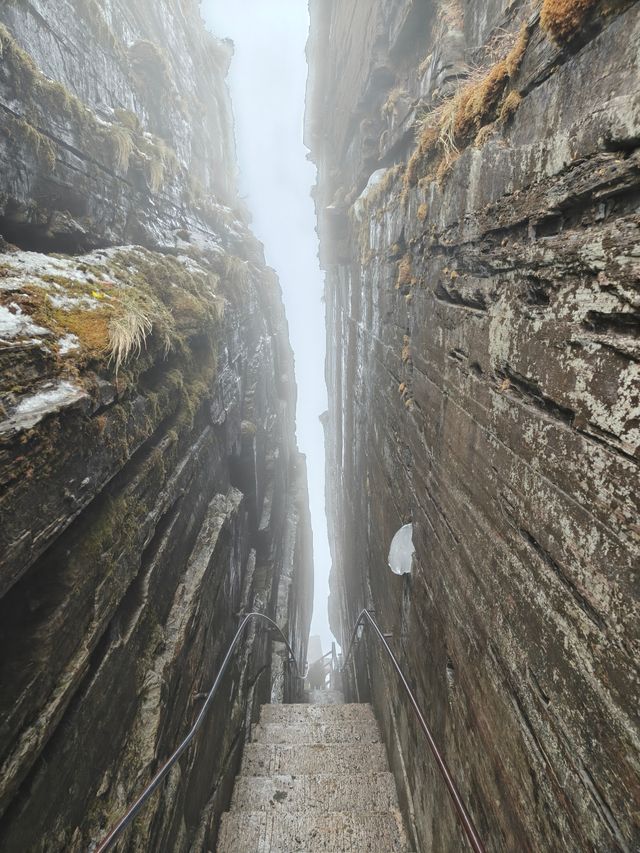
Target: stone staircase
(315, 777)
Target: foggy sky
(267, 80)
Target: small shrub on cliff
(560, 19)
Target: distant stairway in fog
(314, 777)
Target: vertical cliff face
(151, 485)
(478, 214)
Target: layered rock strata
(152, 490)
(478, 214)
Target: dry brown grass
(451, 14)
(478, 100)
(445, 166)
(510, 105)
(404, 272)
(459, 121)
(127, 334)
(390, 104)
(122, 143)
(484, 134)
(406, 349)
(561, 19)
(515, 55)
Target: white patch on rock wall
(32, 409)
(401, 551)
(359, 204)
(15, 323)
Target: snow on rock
(68, 344)
(49, 399)
(14, 323)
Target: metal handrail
(128, 817)
(461, 810)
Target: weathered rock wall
(151, 486)
(478, 214)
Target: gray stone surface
(146, 501)
(483, 372)
(316, 714)
(326, 732)
(311, 795)
(264, 759)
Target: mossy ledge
(115, 145)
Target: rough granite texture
(151, 491)
(483, 318)
(297, 791)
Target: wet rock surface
(151, 486)
(482, 302)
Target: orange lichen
(423, 212)
(560, 19)
(406, 349)
(404, 272)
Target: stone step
(313, 732)
(338, 832)
(262, 759)
(290, 714)
(375, 792)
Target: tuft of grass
(484, 134)
(561, 19)
(445, 166)
(478, 100)
(406, 349)
(453, 125)
(128, 119)
(128, 333)
(509, 106)
(160, 162)
(390, 104)
(22, 132)
(428, 137)
(403, 278)
(514, 58)
(122, 145)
